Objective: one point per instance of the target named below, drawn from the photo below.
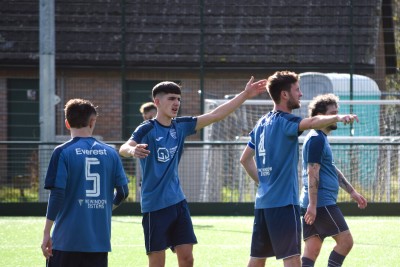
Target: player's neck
(163, 120)
(282, 107)
(326, 131)
(81, 132)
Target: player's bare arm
(248, 163)
(345, 185)
(47, 244)
(132, 149)
(252, 89)
(322, 121)
(313, 183)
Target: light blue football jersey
(88, 170)
(316, 149)
(276, 145)
(160, 185)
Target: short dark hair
(78, 112)
(280, 81)
(146, 107)
(166, 87)
(320, 104)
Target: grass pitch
(223, 241)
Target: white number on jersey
(261, 146)
(92, 176)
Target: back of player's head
(146, 107)
(166, 87)
(320, 104)
(280, 81)
(78, 112)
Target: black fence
(210, 172)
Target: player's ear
(67, 125)
(92, 121)
(284, 94)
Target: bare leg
(185, 255)
(292, 261)
(344, 243)
(157, 259)
(257, 262)
(312, 247)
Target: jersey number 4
(92, 176)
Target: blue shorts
(168, 228)
(329, 222)
(276, 232)
(74, 259)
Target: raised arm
(248, 163)
(322, 121)
(344, 184)
(252, 89)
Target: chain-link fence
(211, 172)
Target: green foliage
(12, 194)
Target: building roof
(236, 34)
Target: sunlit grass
(223, 241)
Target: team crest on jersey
(80, 202)
(162, 154)
(172, 132)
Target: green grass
(223, 241)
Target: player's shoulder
(70, 143)
(286, 116)
(102, 144)
(184, 119)
(316, 136)
(146, 126)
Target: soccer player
(82, 175)
(271, 159)
(321, 181)
(148, 110)
(158, 143)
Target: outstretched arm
(313, 183)
(248, 163)
(343, 183)
(252, 89)
(132, 149)
(322, 121)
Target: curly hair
(320, 104)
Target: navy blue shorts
(168, 228)
(276, 232)
(77, 259)
(329, 222)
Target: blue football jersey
(316, 149)
(276, 145)
(160, 185)
(88, 170)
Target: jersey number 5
(92, 176)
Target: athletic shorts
(168, 228)
(77, 259)
(329, 222)
(276, 232)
